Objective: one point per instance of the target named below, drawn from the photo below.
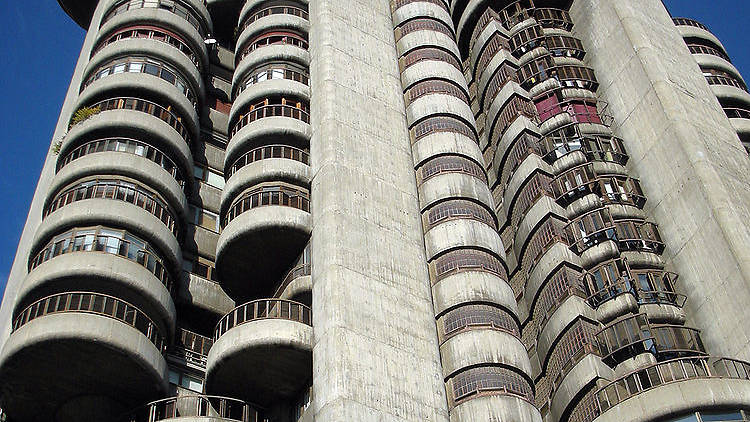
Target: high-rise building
(374, 210)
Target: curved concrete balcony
(262, 351)
(690, 28)
(673, 387)
(425, 38)
(265, 169)
(728, 90)
(253, 10)
(470, 287)
(167, 98)
(440, 143)
(712, 61)
(265, 89)
(102, 260)
(192, 12)
(102, 160)
(488, 381)
(264, 232)
(454, 185)
(470, 348)
(175, 67)
(278, 53)
(268, 40)
(433, 69)
(297, 285)
(439, 103)
(292, 19)
(413, 10)
(98, 356)
(185, 408)
(496, 408)
(266, 125)
(587, 369)
(459, 233)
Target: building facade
(407, 210)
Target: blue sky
(40, 46)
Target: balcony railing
(269, 151)
(548, 234)
(192, 347)
(177, 7)
(478, 316)
(489, 380)
(130, 146)
(568, 139)
(579, 110)
(533, 189)
(663, 373)
(615, 277)
(564, 283)
(104, 240)
(612, 189)
(152, 33)
(299, 112)
(450, 164)
(737, 113)
(93, 303)
(264, 309)
(117, 190)
(296, 272)
(274, 10)
(553, 18)
(589, 230)
(423, 24)
(725, 80)
(273, 71)
(282, 195)
(637, 235)
(457, 209)
(704, 49)
(272, 38)
(197, 406)
(428, 53)
(163, 113)
(689, 22)
(625, 338)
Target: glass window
(720, 416)
(216, 180)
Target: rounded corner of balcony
(496, 407)
(258, 245)
(93, 365)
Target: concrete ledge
(681, 397)
(147, 87)
(496, 408)
(258, 246)
(426, 38)
(688, 31)
(584, 372)
(462, 233)
(264, 131)
(557, 324)
(121, 368)
(716, 62)
(276, 22)
(204, 294)
(541, 209)
(111, 163)
(101, 273)
(260, 90)
(476, 347)
(421, 9)
(139, 47)
(478, 46)
(473, 286)
(663, 313)
(162, 19)
(261, 361)
(273, 53)
(254, 5)
(299, 290)
(438, 104)
(550, 260)
(440, 143)
(454, 185)
(270, 169)
(432, 69)
(728, 92)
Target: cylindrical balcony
(192, 12)
(265, 229)
(99, 356)
(103, 260)
(262, 352)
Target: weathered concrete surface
(376, 349)
(692, 166)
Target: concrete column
(375, 355)
(692, 166)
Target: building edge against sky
(411, 210)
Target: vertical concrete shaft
(375, 356)
(687, 155)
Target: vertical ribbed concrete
(688, 156)
(375, 356)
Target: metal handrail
(296, 272)
(264, 309)
(202, 406)
(280, 195)
(93, 303)
(269, 151)
(176, 7)
(270, 110)
(274, 10)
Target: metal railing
(93, 303)
(704, 49)
(737, 113)
(116, 190)
(296, 272)
(269, 151)
(90, 242)
(274, 10)
(126, 145)
(192, 347)
(285, 196)
(196, 406)
(163, 113)
(151, 33)
(271, 38)
(264, 309)
(725, 80)
(177, 7)
(689, 22)
(271, 110)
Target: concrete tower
(374, 210)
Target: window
(191, 382)
(201, 267)
(208, 176)
(204, 218)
